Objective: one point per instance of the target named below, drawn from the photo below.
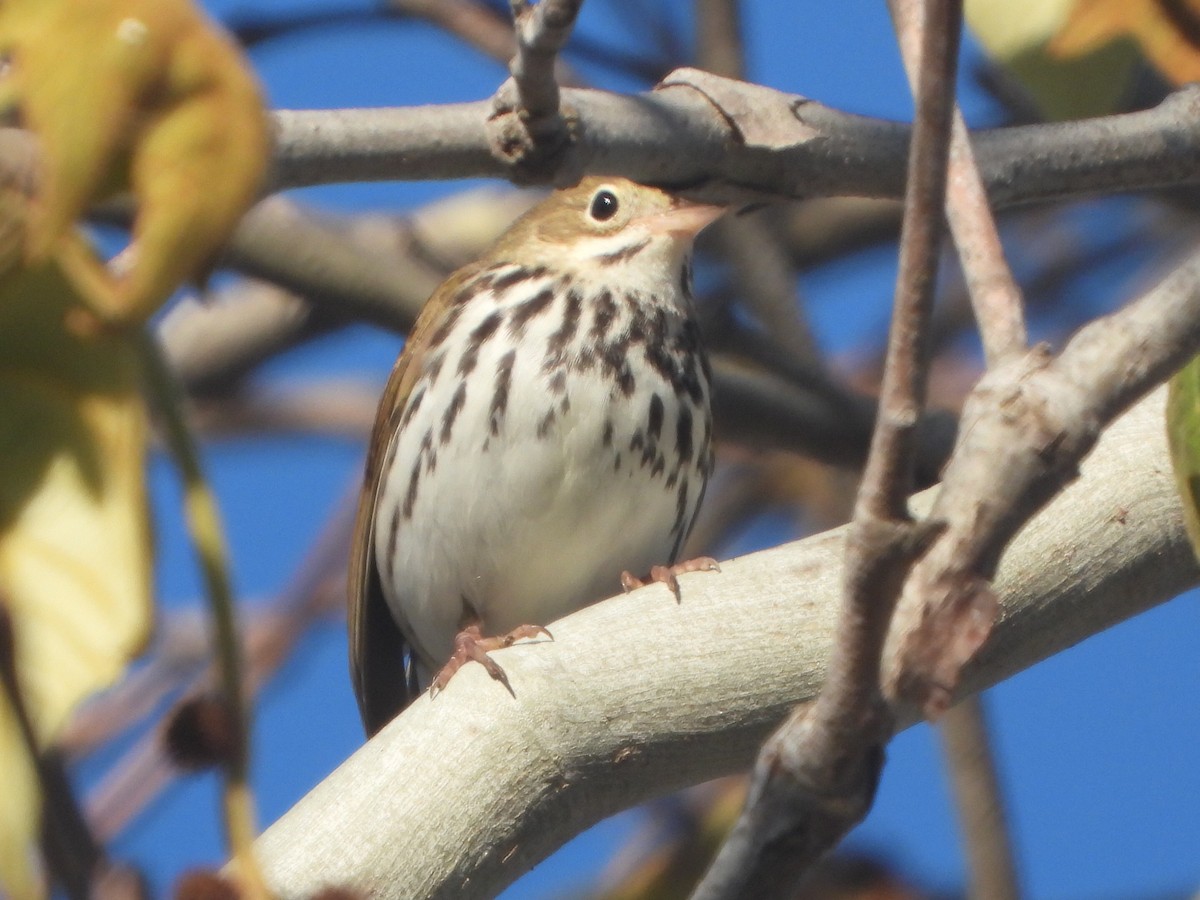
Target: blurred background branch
(794, 408)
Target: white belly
(527, 504)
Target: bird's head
(608, 222)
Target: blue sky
(1096, 745)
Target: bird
(546, 430)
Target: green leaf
(1183, 436)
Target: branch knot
(537, 149)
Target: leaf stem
(208, 540)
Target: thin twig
(215, 340)
(1024, 430)
(281, 241)
(761, 264)
(967, 748)
(542, 31)
(208, 538)
(824, 228)
(324, 272)
(887, 480)
(526, 129)
(179, 650)
(144, 771)
(329, 407)
(482, 27)
(816, 776)
(766, 398)
(994, 293)
(766, 283)
(476, 24)
(719, 37)
(999, 312)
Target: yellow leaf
(144, 94)
(1164, 32)
(74, 535)
(1019, 34)
(1183, 436)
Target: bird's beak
(684, 219)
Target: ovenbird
(546, 427)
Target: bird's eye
(604, 205)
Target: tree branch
(995, 297)
(1024, 429)
(146, 768)
(967, 750)
(719, 46)
(526, 127)
(1000, 315)
(762, 270)
(744, 140)
(816, 777)
(542, 30)
(609, 714)
(474, 23)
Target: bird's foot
(470, 644)
(669, 575)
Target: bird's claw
(470, 644)
(669, 575)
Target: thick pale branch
(459, 796)
(747, 140)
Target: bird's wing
(382, 670)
